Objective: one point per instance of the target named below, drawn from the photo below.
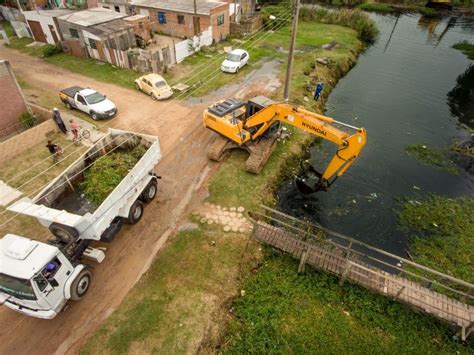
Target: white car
(234, 61)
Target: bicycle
(81, 134)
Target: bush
(27, 121)
(355, 19)
(51, 49)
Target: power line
(213, 74)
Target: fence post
(301, 266)
(345, 272)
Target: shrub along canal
(399, 92)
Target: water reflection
(461, 97)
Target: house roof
(203, 8)
(110, 27)
(49, 13)
(91, 17)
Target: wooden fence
(425, 289)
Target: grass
(432, 156)
(443, 234)
(30, 172)
(179, 306)
(283, 312)
(465, 47)
(88, 67)
(170, 311)
(376, 7)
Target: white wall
(183, 50)
(44, 22)
(94, 53)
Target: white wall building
(43, 24)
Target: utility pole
(196, 23)
(294, 29)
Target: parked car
(89, 101)
(234, 61)
(155, 86)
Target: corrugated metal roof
(203, 8)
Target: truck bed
(71, 91)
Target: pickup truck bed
(71, 91)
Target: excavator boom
(248, 125)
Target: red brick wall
(12, 102)
(186, 30)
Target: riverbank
(182, 303)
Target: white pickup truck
(93, 103)
(37, 279)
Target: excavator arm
(349, 146)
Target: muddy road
(183, 168)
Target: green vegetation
(357, 20)
(466, 47)
(376, 7)
(108, 171)
(429, 155)
(283, 312)
(27, 121)
(51, 49)
(169, 311)
(444, 234)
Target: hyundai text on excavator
(256, 125)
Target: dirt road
(184, 142)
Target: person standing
(318, 90)
(59, 121)
(74, 128)
(54, 149)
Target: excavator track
(259, 154)
(219, 148)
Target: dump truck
(38, 279)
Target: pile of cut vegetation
(108, 171)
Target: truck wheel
(64, 233)
(80, 285)
(136, 212)
(68, 105)
(94, 116)
(150, 191)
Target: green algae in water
(432, 156)
(107, 172)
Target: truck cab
(37, 279)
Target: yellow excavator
(255, 126)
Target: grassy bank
(443, 234)
(466, 47)
(283, 312)
(182, 304)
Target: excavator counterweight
(256, 125)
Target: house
(178, 18)
(97, 33)
(13, 101)
(44, 24)
(122, 6)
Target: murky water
(398, 91)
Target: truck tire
(150, 191)
(80, 285)
(68, 105)
(64, 233)
(94, 116)
(136, 212)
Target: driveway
(184, 167)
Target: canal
(398, 91)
